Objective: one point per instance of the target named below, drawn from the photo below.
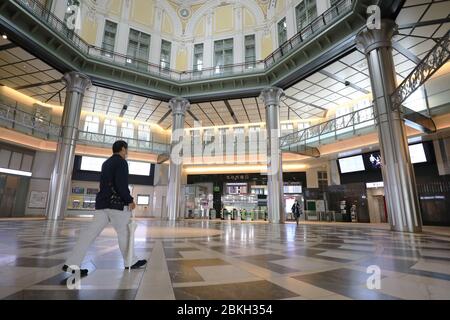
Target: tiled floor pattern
(236, 261)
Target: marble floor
(228, 260)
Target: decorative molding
(271, 96)
(179, 106)
(77, 82)
(370, 39)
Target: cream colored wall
(161, 20)
(223, 19)
(281, 4)
(89, 31)
(115, 7)
(199, 30)
(181, 60)
(142, 12)
(167, 26)
(249, 19)
(266, 45)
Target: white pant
(119, 220)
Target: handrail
(339, 123)
(133, 143)
(52, 131)
(330, 15)
(30, 121)
(51, 20)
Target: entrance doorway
(377, 205)
(13, 192)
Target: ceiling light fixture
(122, 112)
(4, 36)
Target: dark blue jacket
(114, 173)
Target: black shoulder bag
(115, 199)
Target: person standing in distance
(110, 201)
(296, 210)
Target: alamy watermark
(73, 17)
(374, 280)
(374, 19)
(74, 281)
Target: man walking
(296, 210)
(113, 196)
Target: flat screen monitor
(374, 160)
(292, 189)
(139, 168)
(143, 199)
(134, 167)
(351, 164)
(91, 163)
(417, 153)
(236, 188)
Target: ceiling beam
(230, 110)
(164, 116)
(405, 52)
(56, 93)
(212, 105)
(153, 111)
(192, 115)
(339, 79)
(304, 102)
(33, 85)
(423, 23)
(8, 46)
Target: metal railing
(329, 130)
(327, 18)
(432, 62)
(100, 139)
(12, 117)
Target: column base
(406, 229)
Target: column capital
(76, 81)
(179, 105)
(271, 96)
(370, 39)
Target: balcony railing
(327, 18)
(330, 16)
(329, 130)
(100, 139)
(12, 117)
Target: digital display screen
(136, 168)
(293, 189)
(92, 191)
(417, 153)
(91, 163)
(77, 190)
(143, 199)
(351, 164)
(139, 168)
(236, 188)
(374, 160)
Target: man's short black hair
(118, 145)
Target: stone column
(76, 85)
(398, 174)
(179, 106)
(275, 200)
